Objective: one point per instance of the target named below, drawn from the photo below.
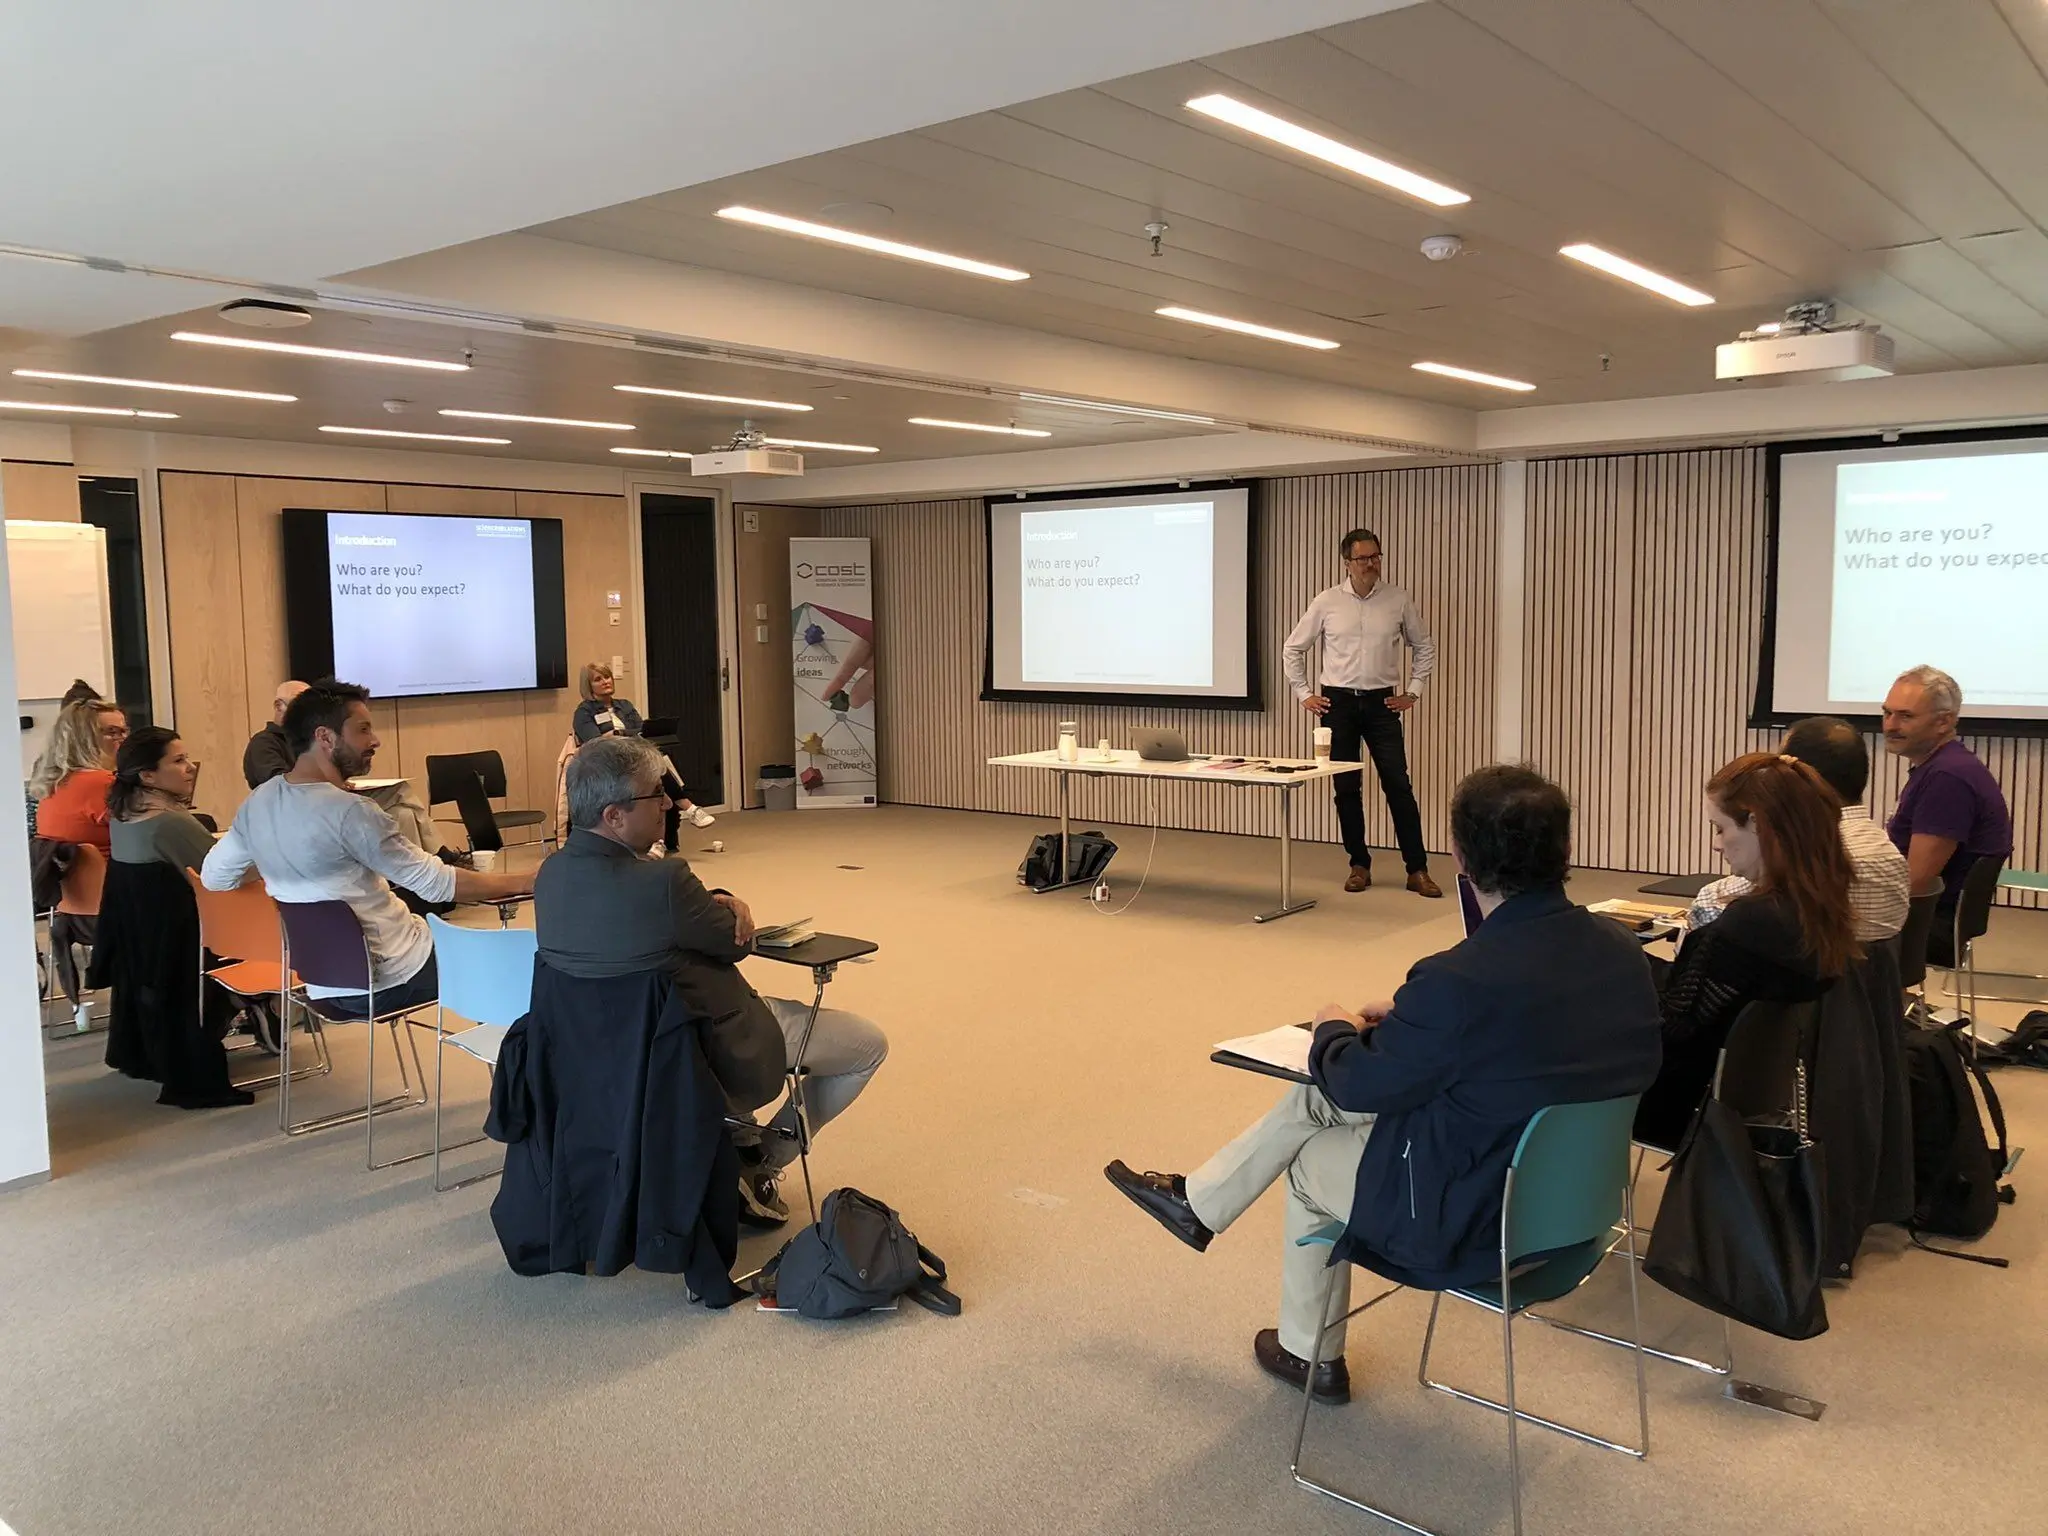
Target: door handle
(725, 675)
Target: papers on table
(784, 935)
(1639, 916)
(1279, 1051)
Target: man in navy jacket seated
(1418, 1104)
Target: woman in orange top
(75, 772)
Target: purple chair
(326, 948)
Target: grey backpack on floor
(856, 1257)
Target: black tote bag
(1739, 1231)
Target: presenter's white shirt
(314, 842)
(1362, 639)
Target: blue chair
(487, 978)
(1566, 1187)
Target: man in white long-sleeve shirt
(313, 840)
(1363, 623)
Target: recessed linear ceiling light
(798, 442)
(691, 394)
(1629, 272)
(1492, 380)
(1116, 410)
(772, 442)
(1245, 327)
(860, 242)
(977, 426)
(85, 410)
(542, 421)
(1228, 109)
(338, 354)
(176, 389)
(428, 437)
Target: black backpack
(1088, 855)
(856, 1257)
(1956, 1189)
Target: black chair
(1951, 945)
(471, 781)
(1913, 939)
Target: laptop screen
(1468, 904)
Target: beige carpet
(210, 1329)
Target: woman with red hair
(1778, 825)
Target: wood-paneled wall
(224, 571)
(44, 493)
(1438, 528)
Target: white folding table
(1281, 773)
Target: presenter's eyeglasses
(1371, 559)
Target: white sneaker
(699, 817)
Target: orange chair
(83, 883)
(242, 928)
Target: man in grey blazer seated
(602, 907)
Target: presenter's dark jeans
(1360, 722)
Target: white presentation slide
(431, 604)
(1121, 595)
(1893, 557)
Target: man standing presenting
(1363, 623)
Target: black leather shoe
(1333, 1379)
(1163, 1197)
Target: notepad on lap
(1285, 1048)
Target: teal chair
(486, 978)
(1566, 1188)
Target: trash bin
(778, 787)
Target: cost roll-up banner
(832, 645)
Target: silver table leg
(1066, 838)
(1288, 905)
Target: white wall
(24, 1123)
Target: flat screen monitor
(408, 604)
(1888, 556)
(1123, 597)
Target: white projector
(747, 461)
(1812, 355)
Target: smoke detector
(266, 314)
(1442, 247)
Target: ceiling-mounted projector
(1806, 346)
(747, 454)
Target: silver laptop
(1162, 746)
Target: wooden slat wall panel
(1578, 687)
(1438, 528)
(1645, 582)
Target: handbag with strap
(1739, 1230)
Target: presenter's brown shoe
(1420, 883)
(1359, 878)
(1333, 1378)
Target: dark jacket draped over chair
(616, 1148)
(147, 952)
